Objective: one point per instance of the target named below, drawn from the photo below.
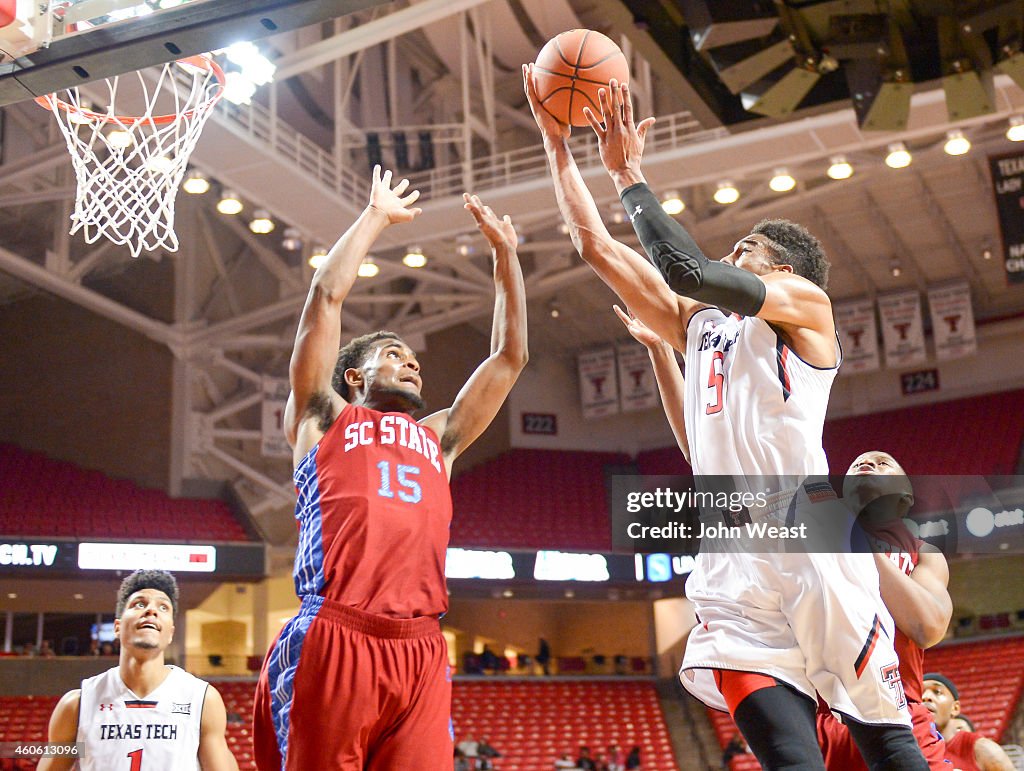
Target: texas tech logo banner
(599, 392)
(953, 320)
(858, 333)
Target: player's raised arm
(214, 754)
(671, 385)
(63, 730)
(483, 394)
(319, 334)
(919, 603)
(627, 272)
(778, 296)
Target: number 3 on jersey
(716, 382)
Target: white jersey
(121, 732)
(815, 620)
(753, 407)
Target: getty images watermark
(957, 514)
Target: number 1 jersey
(374, 511)
(121, 732)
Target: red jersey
(895, 540)
(374, 511)
(960, 751)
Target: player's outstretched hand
(619, 140)
(390, 201)
(640, 331)
(499, 232)
(548, 124)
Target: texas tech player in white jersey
(755, 412)
(753, 407)
(121, 732)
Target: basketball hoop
(129, 167)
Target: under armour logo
(636, 213)
(106, 706)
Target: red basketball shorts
(344, 689)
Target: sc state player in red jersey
(965, 750)
(359, 678)
(913, 579)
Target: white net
(129, 169)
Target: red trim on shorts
(736, 686)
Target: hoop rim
(200, 61)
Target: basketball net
(129, 167)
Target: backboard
(85, 40)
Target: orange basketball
(569, 70)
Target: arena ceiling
(226, 304)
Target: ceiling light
(292, 240)
(840, 168)
(316, 259)
(414, 257)
(564, 229)
(464, 244)
(782, 181)
(119, 139)
(956, 143)
(261, 224)
(77, 116)
(618, 216)
(507, 593)
(12, 595)
(672, 203)
(986, 253)
(255, 66)
(229, 203)
(78, 596)
(554, 310)
(195, 183)
(238, 89)
(899, 157)
(726, 193)
(1016, 131)
(368, 268)
(159, 164)
(895, 267)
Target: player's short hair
(160, 580)
(794, 245)
(967, 721)
(354, 355)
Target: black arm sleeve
(681, 262)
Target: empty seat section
(45, 497)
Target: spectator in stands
(489, 660)
(966, 750)
(736, 746)
(470, 749)
(565, 762)
(107, 649)
(616, 758)
(544, 656)
(94, 648)
(486, 753)
(46, 650)
(633, 758)
(601, 762)
(461, 763)
(585, 761)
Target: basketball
(570, 69)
